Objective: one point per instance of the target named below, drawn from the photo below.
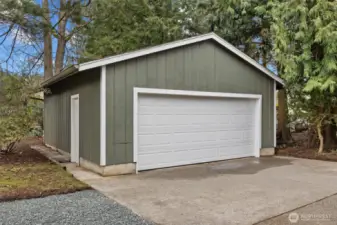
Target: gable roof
(159, 48)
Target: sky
(26, 52)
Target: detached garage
(191, 101)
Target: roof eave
(179, 43)
(142, 52)
(67, 72)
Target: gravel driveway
(85, 207)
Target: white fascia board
(142, 52)
(175, 44)
(103, 117)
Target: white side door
(75, 155)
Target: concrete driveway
(243, 191)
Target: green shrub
(19, 112)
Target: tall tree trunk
(47, 41)
(285, 136)
(61, 40)
(320, 137)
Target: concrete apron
(242, 191)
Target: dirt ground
(26, 173)
(307, 153)
(299, 150)
(23, 153)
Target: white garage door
(179, 130)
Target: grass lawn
(28, 174)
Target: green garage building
(190, 101)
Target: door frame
(154, 91)
(74, 158)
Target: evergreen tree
(123, 25)
(305, 46)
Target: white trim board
(137, 91)
(175, 44)
(74, 143)
(275, 113)
(103, 117)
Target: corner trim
(74, 158)
(137, 91)
(275, 114)
(103, 117)
(258, 127)
(135, 127)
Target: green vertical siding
(203, 66)
(57, 114)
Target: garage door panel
(242, 121)
(234, 150)
(153, 110)
(248, 135)
(178, 130)
(146, 120)
(159, 139)
(151, 149)
(194, 146)
(160, 164)
(154, 149)
(169, 158)
(221, 129)
(168, 129)
(230, 135)
(188, 119)
(233, 144)
(194, 137)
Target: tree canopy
(20, 112)
(138, 24)
(132, 25)
(305, 47)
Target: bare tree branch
(8, 30)
(76, 29)
(13, 45)
(55, 7)
(36, 62)
(6, 33)
(53, 28)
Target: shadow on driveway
(207, 170)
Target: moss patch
(26, 173)
(36, 180)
